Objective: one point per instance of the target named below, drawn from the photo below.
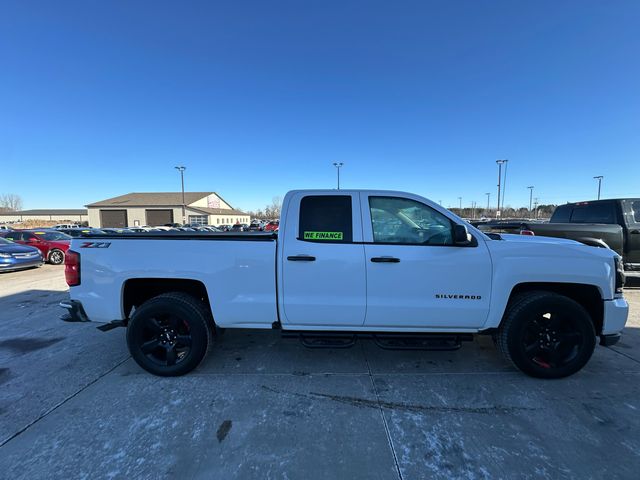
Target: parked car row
(29, 248)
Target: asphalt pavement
(74, 405)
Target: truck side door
(322, 262)
(416, 276)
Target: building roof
(218, 211)
(152, 199)
(62, 211)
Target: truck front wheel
(546, 335)
(170, 334)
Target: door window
(635, 206)
(15, 236)
(403, 221)
(326, 218)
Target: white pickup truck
(345, 262)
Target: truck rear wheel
(170, 334)
(546, 335)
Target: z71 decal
(95, 245)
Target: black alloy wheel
(165, 340)
(546, 335)
(170, 334)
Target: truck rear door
(323, 268)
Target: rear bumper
(616, 312)
(75, 311)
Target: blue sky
(101, 98)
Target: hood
(17, 248)
(509, 237)
(535, 246)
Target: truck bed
(239, 269)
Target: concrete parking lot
(74, 405)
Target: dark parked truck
(613, 224)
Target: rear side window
(593, 213)
(326, 218)
(635, 206)
(562, 214)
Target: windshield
(53, 236)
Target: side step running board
(323, 340)
(419, 342)
(387, 341)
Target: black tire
(170, 334)
(56, 257)
(546, 335)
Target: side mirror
(32, 240)
(461, 235)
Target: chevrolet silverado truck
(613, 223)
(380, 264)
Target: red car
(272, 226)
(53, 245)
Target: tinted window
(593, 213)
(562, 214)
(14, 236)
(326, 218)
(635, 206)
(404, 221)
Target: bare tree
(275, 207)
(10, 202)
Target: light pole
(181, 169)
(500, 162)
(338, 165)
(530, 197)
(460, 200)
(488, 194)
(599, 178)
(504, 183)
(535, 203)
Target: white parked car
(353, 262)
(66, 225)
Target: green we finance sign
(322, 235)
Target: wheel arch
(136, 291)
(593, 242)
(589, 296)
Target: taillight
(72, 268)
(620, 277)
(527, 232)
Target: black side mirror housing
(461, 235)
